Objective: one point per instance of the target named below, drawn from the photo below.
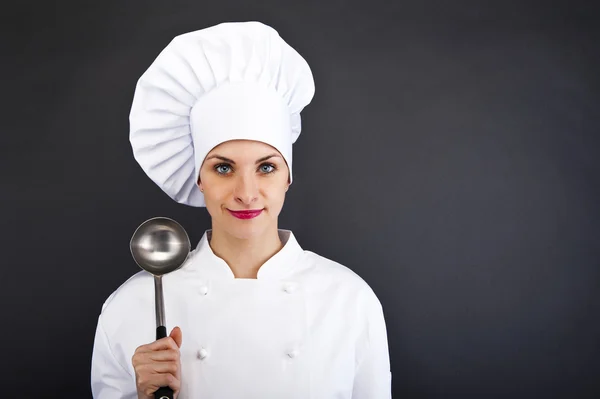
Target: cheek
(215, 194)
(212, 191)
(276, 190)
(214, 201)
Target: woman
(212, 123)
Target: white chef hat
(231, 81)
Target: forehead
(243, 149)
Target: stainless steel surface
(160, 245)
(159, 302)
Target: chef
(213, 121)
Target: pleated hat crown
(232, 81)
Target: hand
(158, 365)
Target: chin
(246, 229)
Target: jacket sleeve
(109, 378)
(373, 378)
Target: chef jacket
(305, 328)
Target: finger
(163, 343)
(162, 355)
(177, 336)
(166, 355)
(157, 368)
(149, 383)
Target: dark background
(449, 157)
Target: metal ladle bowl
(160, 245)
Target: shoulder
(332, 275)
(130, 289)
(131, 300)
(330, 267)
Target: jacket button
(202, 354)
(203, 290)
(293, 353)
(289, 288)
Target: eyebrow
(224, 159)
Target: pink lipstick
(246, 214)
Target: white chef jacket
(306, 328)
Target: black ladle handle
(163, 392)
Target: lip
(250, 214)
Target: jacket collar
(204, 261)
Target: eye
(223, 168)
(267, 168)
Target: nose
(246, 189)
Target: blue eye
(223, 169)
(267, 168)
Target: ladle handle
(161, 332)
(163, 392)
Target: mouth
(251, 214)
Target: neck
(245, 256)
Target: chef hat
(231, 81)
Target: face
(244, 184)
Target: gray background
(449, 157)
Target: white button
(293, 353)
(203, 290)
(202, 354)
(289, 288)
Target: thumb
(176, 336)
